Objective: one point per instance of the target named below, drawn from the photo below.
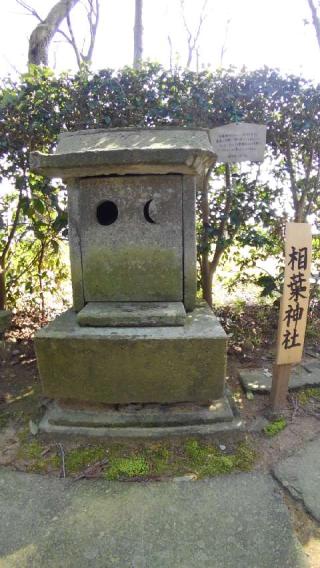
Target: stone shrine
(135, 336)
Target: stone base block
(133, 365)
(148, 421)
(132, 314)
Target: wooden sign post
(293, 309)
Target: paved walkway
(237, 521)
(300, 475)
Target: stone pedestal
(134, 335)
(135, 364)
(140, 420)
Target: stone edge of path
(299, 474)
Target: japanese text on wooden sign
(295, 299)
(239, 142)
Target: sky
(259, 32)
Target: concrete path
(300, 474)
(237, 521)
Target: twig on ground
(63, 468)
(295, 404)
(92, 471)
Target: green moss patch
(164, 459)
(132, 272)
(39, 458)
(36, 457)
(126, 468)
(134, 461)
(207, 460)
(275, 427)
(307, 395)
(78, 459)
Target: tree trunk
(138, 35)
(42, 35)
(2, 288)
(206, 279)
(300, 216)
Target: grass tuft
(78, 459)
(305, 395)
(274, 427)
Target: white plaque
(239, 142)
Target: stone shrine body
(135, 335)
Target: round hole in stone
(107, 213)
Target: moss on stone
(132, 274)
(149, 364)
(126, 468)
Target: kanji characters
(293, 313)
(298, 258)
(296, 286)
(290, 339)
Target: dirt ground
(22, 404)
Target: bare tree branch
(193, 39)
(315, 19)
(93, 19)
(224, 45)
(43, 33)
(72, 40)
(170, 52)
(138, 34)
(30, 10)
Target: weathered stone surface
(189, 243)
(237, 521)
(75, 244)
(189, 282)
(260, 380)
(143, 415)
(132, 314)
(132, 259)
(143, 432)
(119, 250)
(127, 151)
(300, 474)
(5, 319)
(123, 365)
